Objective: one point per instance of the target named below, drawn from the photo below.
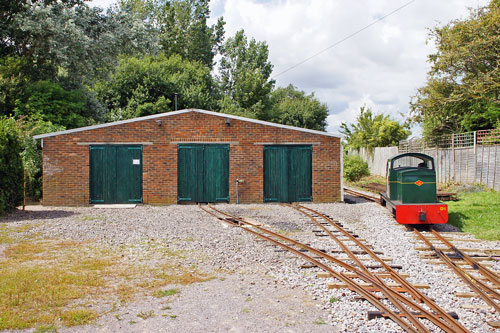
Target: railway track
(409, 308)
(483, 282)
(362, 195)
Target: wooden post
(495, 168)
(488, 170)
(24, 191)
(482, 165)
(453, 152)
(475, 158)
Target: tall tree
(69, 44)
(146, 86)
(183, 27)
(245, 77)
(371, 131)
(293, 107)
(463, 85)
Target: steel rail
(490, 275)
(363, 195)
(416, 294)
(338, 275)
(382, 285)
(471, 281)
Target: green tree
(182, 25)
(69, 43)
(11, 166)
(245, 77)
(371, 131)
(147, 86)
(463, 85)
(293, 107)
(48, 101)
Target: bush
(32, 153)
(11, 166)
(355, 168)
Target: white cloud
(381, 67)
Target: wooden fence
(466, 158)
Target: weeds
(41, 280)
(168, 292)
(78, 317)
(46, 329)
(145, 315)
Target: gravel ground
(256, 286)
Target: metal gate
(287, 173)
(115, 174)
(203, 173)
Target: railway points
(407, 304)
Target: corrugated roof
(172, 113)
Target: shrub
(32, 153)
(11, 166)
(355, 168)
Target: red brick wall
(66, 163)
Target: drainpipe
(238, 181)
(237, 197)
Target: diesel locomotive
(411, 193)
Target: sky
(380, 67)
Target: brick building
(190, 156)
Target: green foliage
(463, 85)
(293, 107)
(74, 43)
(355, 168)
(11, 166)
(373, 131)
(147, 86)
(48, 101)
(32, 153)
(245, 77)
(182, 27)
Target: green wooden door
(275, 174)
(203, 173)
(287, 173)
(190, 167)
(115, 174)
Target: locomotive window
(411, 162)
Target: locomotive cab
(411, 190)
(407, 170)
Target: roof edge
(172, 113)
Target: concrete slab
(115, 206)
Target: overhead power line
(345, 38)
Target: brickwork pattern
(66, 162)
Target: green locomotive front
(411, 190)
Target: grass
(145, 315)
(319, 322)
(44, 283)
(168, 292)
(334, 299)
(78, 317)
(477, 213)
(7, 232)
(37, 286)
